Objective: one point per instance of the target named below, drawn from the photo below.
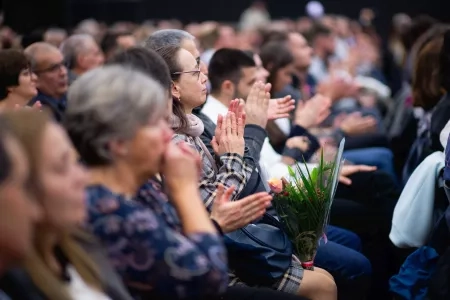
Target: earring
(179, 99)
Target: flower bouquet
(303, 204)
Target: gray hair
(167, 37)
(89, 26)
(73, 46)
(110, 103)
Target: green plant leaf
(292, 172)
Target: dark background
(27, 15)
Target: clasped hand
(229, 134)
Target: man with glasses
(47, 63)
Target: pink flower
(276, 185)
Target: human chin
(203, 98)
(33, 92)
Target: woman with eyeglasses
(230, 168)
(17, 81)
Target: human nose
(203, 77)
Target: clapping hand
(312, 112)
(299, 142)
(337, 88)
(37, 105)
(229, 134)
(356, 124)
(280, 108)
(232, 215)
(257, 104)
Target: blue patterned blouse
(145, 243)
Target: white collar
(213, 108)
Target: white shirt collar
(213, 108)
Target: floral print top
(148, 249)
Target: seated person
(64, 262)
(234, 169)
(18, 211)
(173, 248)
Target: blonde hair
(29, 127)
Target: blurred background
(67, 13)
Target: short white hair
(107, 103)
(73, 46)
(167, 37)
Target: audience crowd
(132, 155)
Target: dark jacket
(17, 284)
(439, 118)
(56, 106)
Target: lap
(288, 283)
(343, 237)
(342, 261)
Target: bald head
(37, 50)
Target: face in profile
(92, 57)
(283, 77)
(62, 180)
(301, 51)
(147, 148)
(52, 74)
(26, 88)
(246, 82)
(18, 211)
(191, 85)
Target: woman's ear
(118, 148)
(176, 91)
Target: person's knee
(316, 285)
(345, 238)
(360, 266)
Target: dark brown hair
(426, 83)
(274, 57)
(170, 56)
(12, 63)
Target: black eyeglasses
(52, 68)
(195, 72)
